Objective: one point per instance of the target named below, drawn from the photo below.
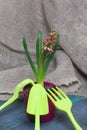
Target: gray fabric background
(25, 18)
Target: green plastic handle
(16, 92)
(75, 124)
(37, 122)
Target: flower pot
(51, 114)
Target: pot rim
(46, 83)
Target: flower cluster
(50, 41)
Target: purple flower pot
(51, 114)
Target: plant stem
(42, 61)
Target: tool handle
(37, 122)
(74, 122)
(12, 99)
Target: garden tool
(63, 103)
(16, 92)
(37, 103)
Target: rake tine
(52, 95)
(58, 94)
(61, 92)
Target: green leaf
(39, 49)
(29, 57)
(49, 59)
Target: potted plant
(45, 51)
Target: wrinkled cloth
(21, 18)
(70, 19)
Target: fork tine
(58, 94)
(53, 95)
(61, 92)
(50, 97)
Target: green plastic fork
(63, 103)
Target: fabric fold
(70, 19)
(64, 75)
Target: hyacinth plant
(45, 51)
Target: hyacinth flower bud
(48, 38)
(54, 41)
(54, 37)
(44, 42)
(45, 48)
(50, 34)
(50, 42)
(51, 51)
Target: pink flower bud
(48, 38)
(54, 37)
(51, 34)
(50, 42)
(51, 51)
(45, 48)
(54, 41)
(44, 42)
